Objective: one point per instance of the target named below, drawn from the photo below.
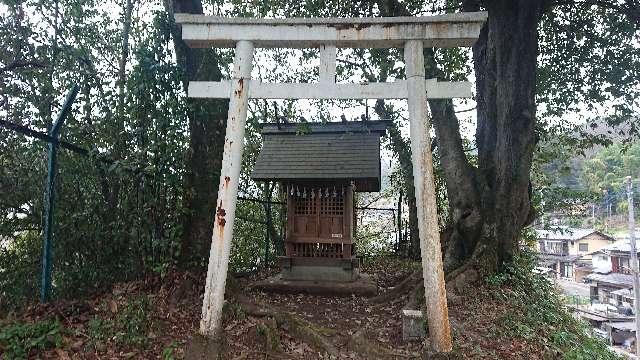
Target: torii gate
(327, 34)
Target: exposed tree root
(402, 288)
(204, 348)
(460, 279)
(312, 334)
(359, 344)
(415, 299)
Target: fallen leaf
(62, 354)
(76, 346)
(113, 306)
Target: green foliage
(132, 322)
(168, 352)
(539, 313)
(568, 182)
(233, 310)
(18, 339)
(99, 332)
(19, 269)
(112, 222)
(588, 58)
(303, 129)
(130, 325)
(608, 168)
(122, 221)
(374, 237)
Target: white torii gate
(327, 34)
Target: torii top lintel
(449, 30)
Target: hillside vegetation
(512, 315)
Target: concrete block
(363, 286)
(320, 273)
(413, 327)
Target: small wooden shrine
(320, 167)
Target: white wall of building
(601, 263)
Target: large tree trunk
(207, 124)
(505, 65)
(463, 191)
(490, 204)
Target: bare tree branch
(18, 64)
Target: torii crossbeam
(327, 34)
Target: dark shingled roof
(612, 278)
(348, 151)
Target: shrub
(540, 314)
(133, 322)
(16, 340)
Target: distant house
(614, 257)
(623, 297)
(567, 251)
(605, 287)
(612, 274)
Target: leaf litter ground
(101, 327)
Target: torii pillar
(410, 33)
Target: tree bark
(490, 203)
(463, 193)
(113, 185)
(124, 56)
(207, 124)
(505, 65)
(401, 148)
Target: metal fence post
(47, 251)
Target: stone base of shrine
(319, 269)
(363, 285)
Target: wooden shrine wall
(319, 221)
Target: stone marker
(412, 325)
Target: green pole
(45, 290)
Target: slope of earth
(156, 319)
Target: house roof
(551, 258)
(625, 236)
(620, 246)
(624, 325)
(593, 317)
(567, 233)
(628, 293)
(612, 278)
(346, 151)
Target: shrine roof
(317, 152)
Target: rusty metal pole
(227, 192)
(433, 273)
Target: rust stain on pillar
(238, 92)
(220, 214)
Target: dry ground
(305, 327)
